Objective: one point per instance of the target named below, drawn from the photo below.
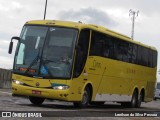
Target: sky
(112, 14)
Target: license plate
(36, 92)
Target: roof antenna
(45, 10)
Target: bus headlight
(64, 87)
(18, 82)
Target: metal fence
(5, 78)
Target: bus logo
(37, 84)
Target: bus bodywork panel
(119, 79)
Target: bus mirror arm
(11, 44)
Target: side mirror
(11, 44)
(10, 47)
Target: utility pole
(134, 15)
(45, 10)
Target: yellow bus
(81, 63)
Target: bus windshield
(45, 52)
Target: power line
(134, 15)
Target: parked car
(157, 91)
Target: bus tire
(36, 100)
(134, 99)
(85, 99)
(139, 100)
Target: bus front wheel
(85, 99)
(36, 100)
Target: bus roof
(80, 25)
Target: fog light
(60, 87)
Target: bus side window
(118, 50)
(95, 47)
(81, 52)
(139, 55)
(98, 45)
(109, 47)
(145, 56)
(150, 58)
(154, 58)
(142, 56)
(130, 52)
(134, 54)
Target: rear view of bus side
(82, 63)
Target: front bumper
(47, 93)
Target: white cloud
(88, 15)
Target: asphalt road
(18, 107)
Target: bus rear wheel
(36, 100)
(133, 102)
(139, 100)
(134, 99)
(85, 99)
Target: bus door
(79, 77)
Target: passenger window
(154, 58)
(134, 54)
(122, 51)
(114, 48)
(101, 45)
(150, 59)
(97, 44)
(109, 47)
